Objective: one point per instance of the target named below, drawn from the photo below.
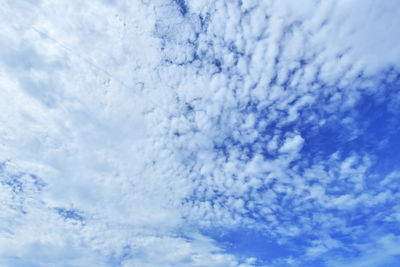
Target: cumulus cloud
(139, 133)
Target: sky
(200, 133)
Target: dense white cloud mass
(148, 133)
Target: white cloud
(292, 144)
(146, 124)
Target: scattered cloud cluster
(170, 133)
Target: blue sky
(200, 133)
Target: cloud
(292, 144)
(131, 132)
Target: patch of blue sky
(70, 214)
(246, 242)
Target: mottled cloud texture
(199, 133)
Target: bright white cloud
(127, 128)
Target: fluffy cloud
(139, 133)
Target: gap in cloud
(250, 243)
(183, 8)
(71, 214)
(371, 126)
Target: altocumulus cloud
(199, 133)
